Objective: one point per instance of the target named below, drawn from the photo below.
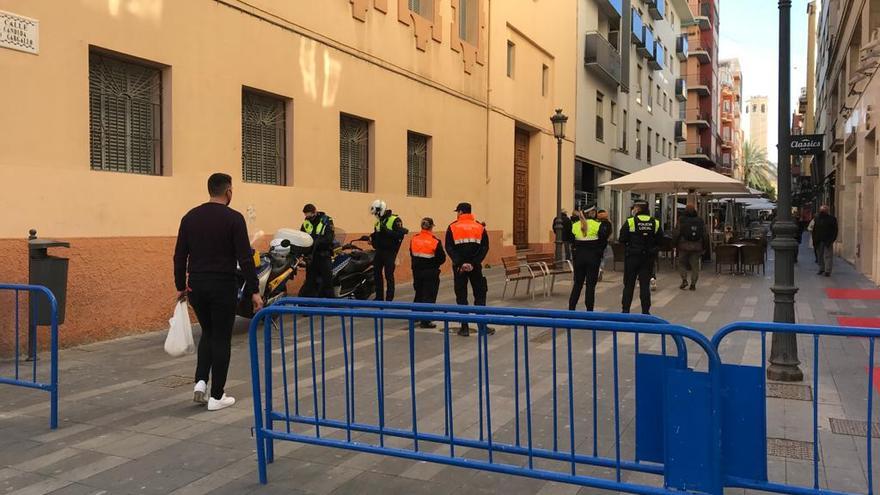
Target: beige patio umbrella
(677, 176)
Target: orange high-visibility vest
(424, 245)
(467, 230)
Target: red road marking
(853, 321)
(876, 377)
(853, 293)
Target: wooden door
(521, 188)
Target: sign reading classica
(806, 144)
(19, 33)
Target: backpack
(693, 232)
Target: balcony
(680, 131)
(681, 47)
(656, 62)
(602, 58)
(726, 116)
(638, 29)
(698, 84)
(702, 120)
(611, 8)
(657, 9)
(698, 155)
(705, 17)
(699, 49)
(681, 89)
(647, 49)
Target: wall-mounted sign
(806, 144)
(19, 33)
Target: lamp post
(558, 119)
(783, 351)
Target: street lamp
(783, 351)
(558, 119)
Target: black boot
(684, 284)
(427, 324)
(489, 330)
(464, 331)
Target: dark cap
(463, 208)
(309, 208)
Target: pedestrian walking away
(319, 272)
(427, 256)
(590, 240)
(824, 235)
(388, 234)
(467, 244)
(639, 235)
(810, 228)
(212, 238)
(689, 238)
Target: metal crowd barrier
(37, 295)
(753, 467)
(417, 414)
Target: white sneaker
(653, 285)
(223, 403)
(200, 392)
(601, 273)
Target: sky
(749, 31)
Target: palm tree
(756, 168)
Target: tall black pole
(557, 223)
(783, 353)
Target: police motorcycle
(275, 268)
(352, 267)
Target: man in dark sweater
(824, 235)
(211, 239)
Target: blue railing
(816, 331)
(319, 407)
(25, 374)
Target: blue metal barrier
(394, 426)
(42, 295)
(760, 482)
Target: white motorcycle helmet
(378, 208)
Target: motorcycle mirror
(364, 238)
(285, 243)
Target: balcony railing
(699, 84)
(659, 56)
(602, 58)
(681, 89)
(699, 118)
(638, 29)
(647, 49)
(612, 8)
(680, 131)
(681, 47)
(657, 9)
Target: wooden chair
(551, 268)
(514, 271)
(726, 255)
(619, 252)
(752, 257)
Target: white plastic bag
(179, 341)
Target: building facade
(702, 145)
(847, 99)
(756, 108)
(731, 80)
(630, 92)
(125, 109)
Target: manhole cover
(171, 381)
(789, 391)
(790, 449)
(854, 427)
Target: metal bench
(547, 262)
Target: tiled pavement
(128, 426)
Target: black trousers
(426, 283)
(214, 303)
(383, 264)
(478, 283)
(586, 268)
(319, 278)
(639, 267)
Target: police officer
(590, 240)
(319, 272)
(386, 239)
(467, 245)
(427, 255)
(640, 235)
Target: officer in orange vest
(427, 255)
(467, 245)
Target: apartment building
(731, 81)
(702, 145)
(117, 112)
(630, 92)
(847, 99)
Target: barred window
(125, 116)
(468, 18)
(424, 8)
(263, 138)
(354, 139)
(416, 165)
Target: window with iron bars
(263, 138)
(416, 165)
(125, 115)
(424, 8)
(354, 147)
